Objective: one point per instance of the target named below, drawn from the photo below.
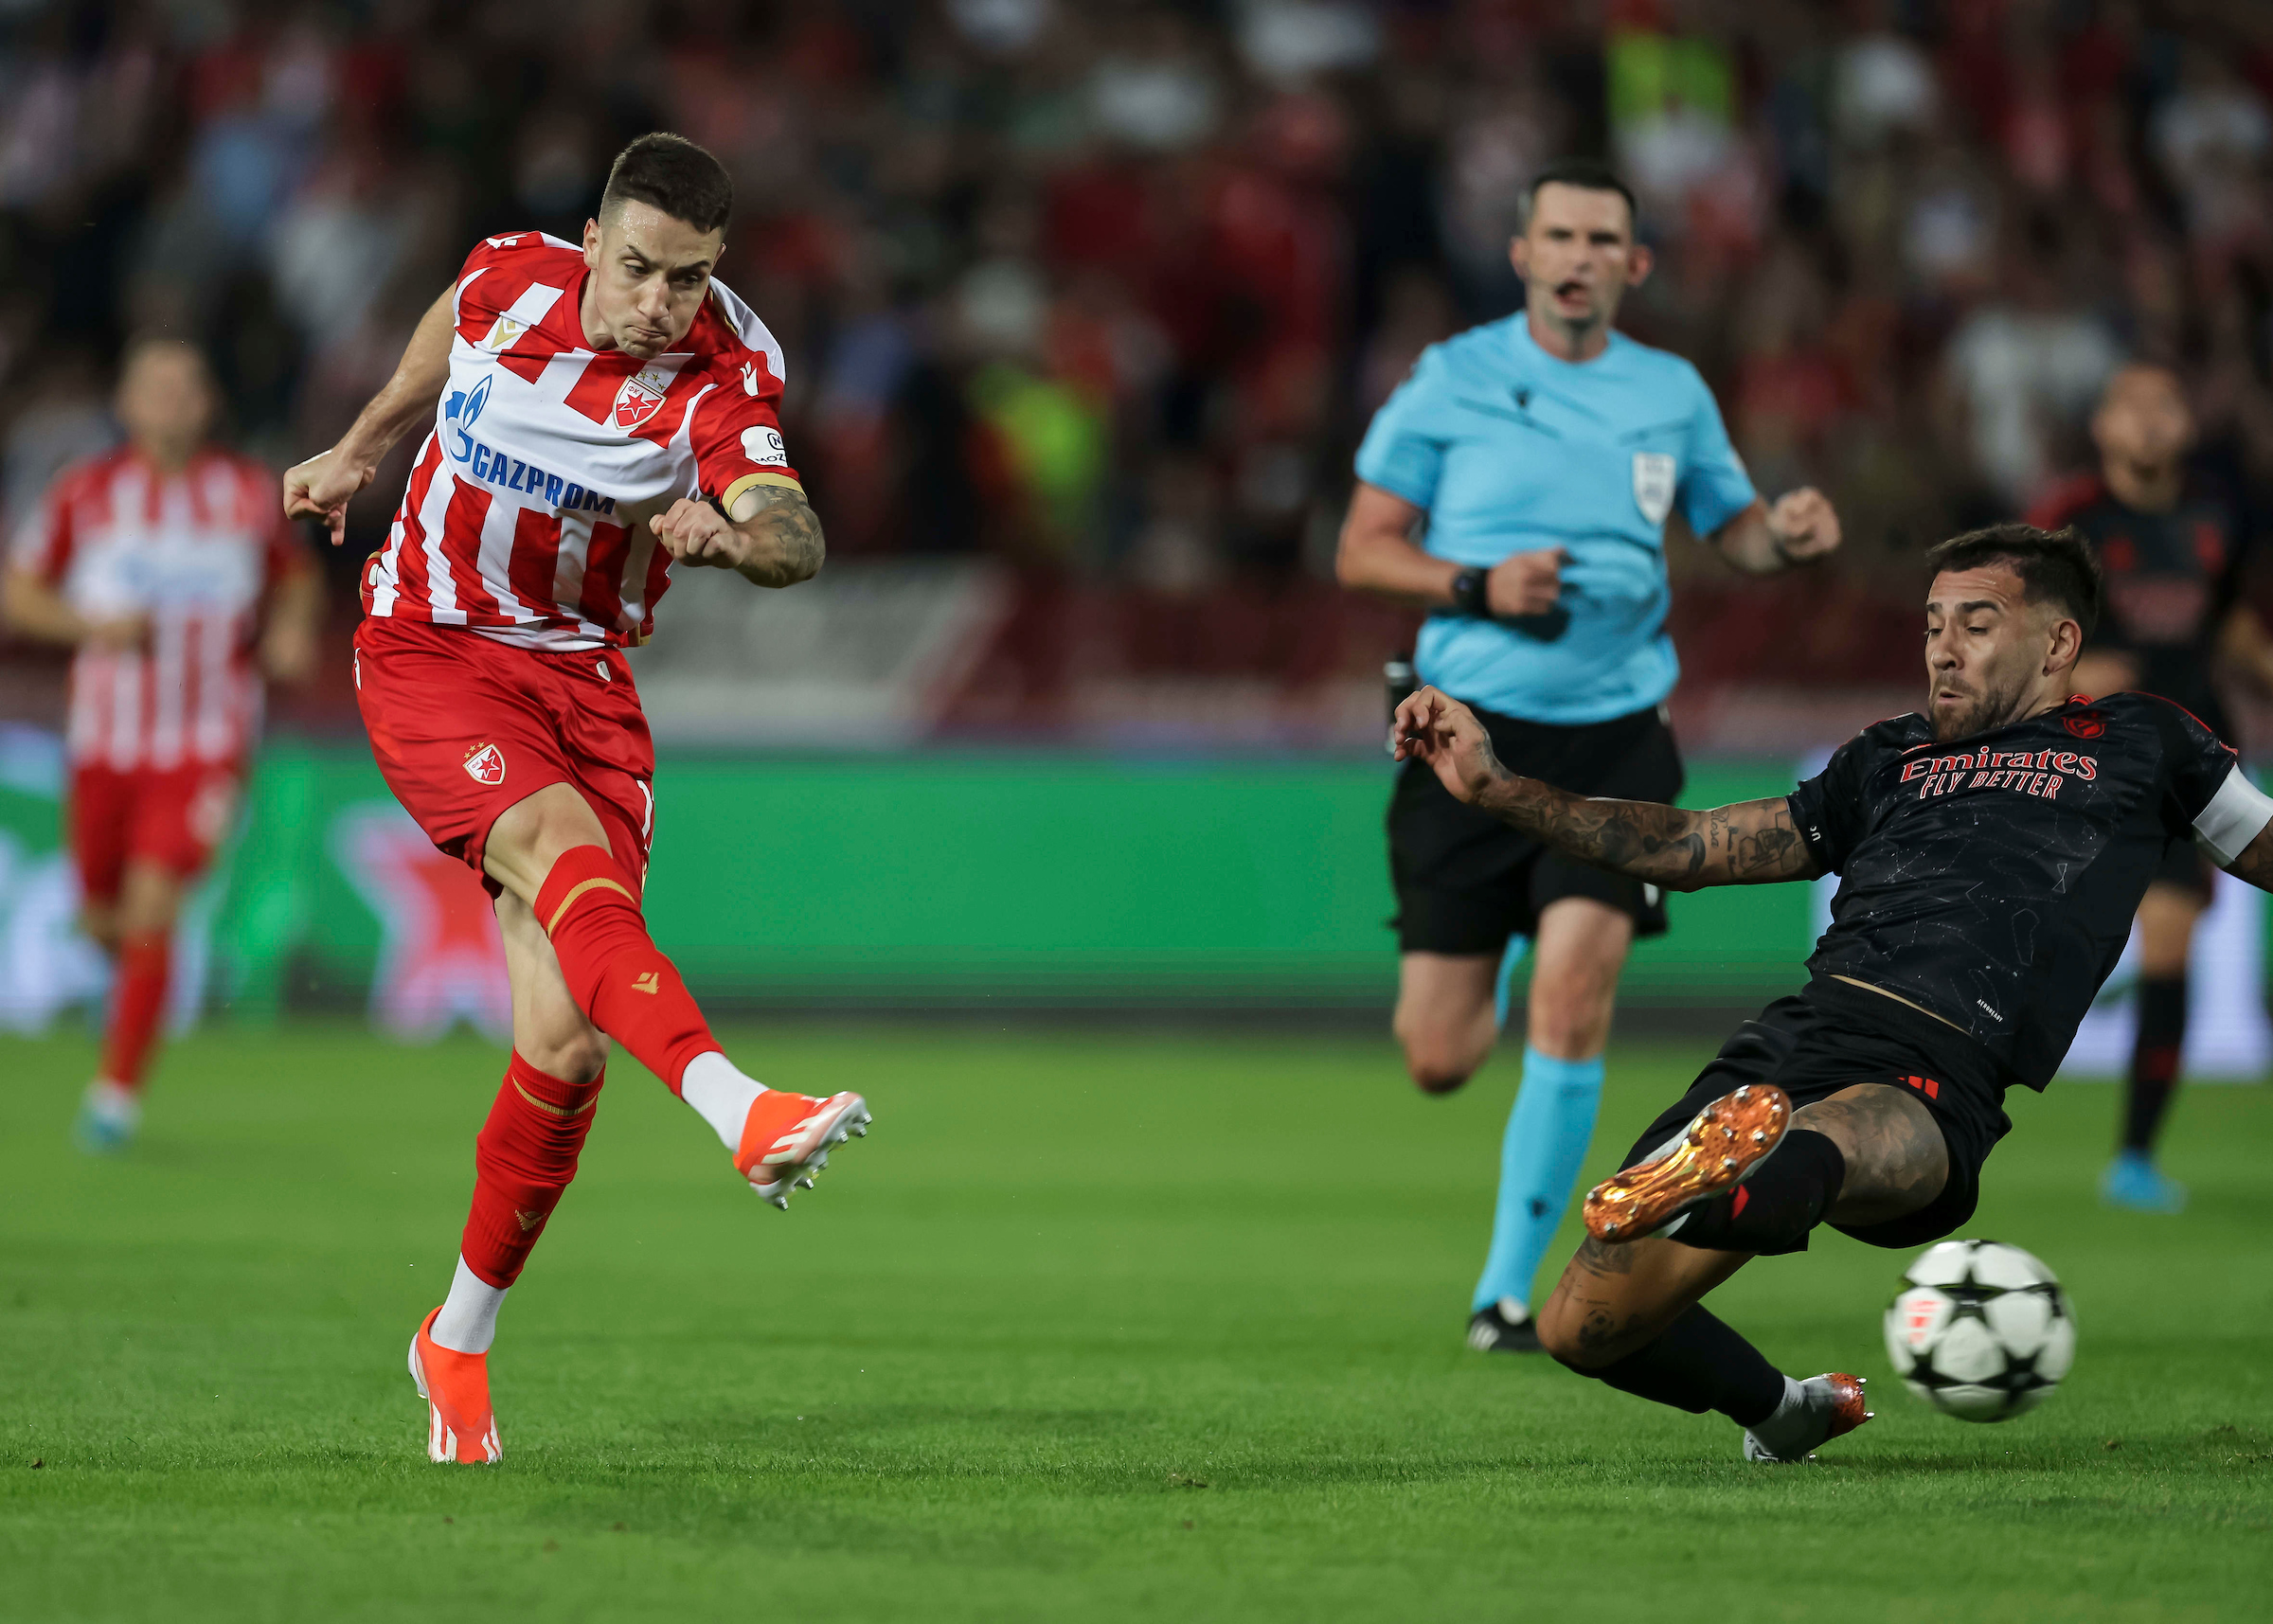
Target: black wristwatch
(1472, 594)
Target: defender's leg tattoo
(1897, 1158)
(1628, 1315)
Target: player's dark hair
(2054, 566)
(672, 174)
(1587, 174)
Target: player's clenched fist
(1803, 524)
(322, 487)
(1441, 731)
(697, 533)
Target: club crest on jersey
(1654, 484)
(485, 765)
(640, 398)
(2085, 724)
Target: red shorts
(172, 816)
(463, 726)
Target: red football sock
(590, 908)
(137, 1005)
(522, 1161)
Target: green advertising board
(935, 880)
(920, 881)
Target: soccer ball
(1981, 1331)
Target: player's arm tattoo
(785, 537)
(2255, 864)
(1751, 843)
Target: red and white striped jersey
(195, 552)
(524, 515)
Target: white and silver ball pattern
(1981, 1331)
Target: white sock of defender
(722, 1095)
(1788, 1430)
(468, 1323)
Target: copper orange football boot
(460, 1427)
(1716, 1153)
(786, 1139)
(1829, 1407)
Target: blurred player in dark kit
(2173, 547)
(165, 565)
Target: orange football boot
(460, 1427)
(1836, 1405)
(1722, 1145)
(786, 1139)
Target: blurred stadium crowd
(1108, 289)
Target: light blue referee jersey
(1509, 449)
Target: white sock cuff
(468, 1320)
(720, 1093)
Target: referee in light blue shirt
(1543, 455)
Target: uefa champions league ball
(1981, 1331)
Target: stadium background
(1085, 307)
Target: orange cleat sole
(785, 1145)
(1722, 1144)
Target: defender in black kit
(1992, 851)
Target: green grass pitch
(1094, 1327)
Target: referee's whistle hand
(1525, 583)
(1804, 526)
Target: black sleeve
(1828, 807)
(2195, 764)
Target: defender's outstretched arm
(2255, 861)
(1748, 843)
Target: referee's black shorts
(1466, 881)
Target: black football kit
(2174, 579)
(1989, 882)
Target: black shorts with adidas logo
(1833, 1036)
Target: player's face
(1987, 651)
(166, 399)
(2143, 419)
(1578, 256)
(649, 273)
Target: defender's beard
(1989, 707)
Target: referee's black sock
(2155, 1060)
(1698, 1365)
(1772, 1212)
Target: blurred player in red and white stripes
(166, 564)
(592, 415)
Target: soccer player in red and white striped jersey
(166, 564)
(592, 415)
